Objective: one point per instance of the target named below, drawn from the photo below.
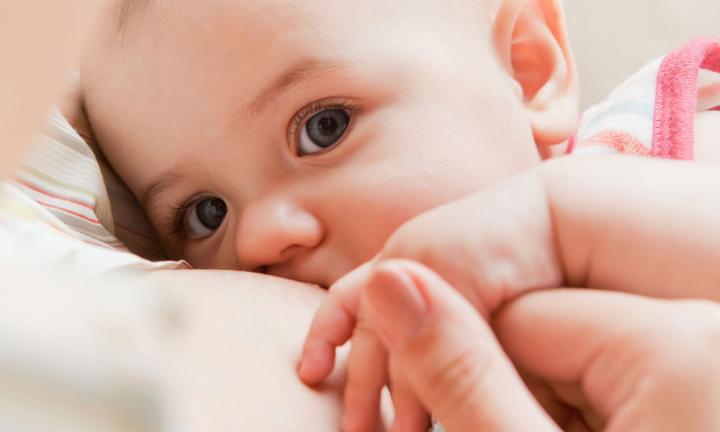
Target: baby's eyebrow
(161, 184)
(303, 70)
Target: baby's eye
(205, 217)
(323, 130)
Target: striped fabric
(59, 197)
(33, 239)
(653, 113)
(61, 174)
(624, 121)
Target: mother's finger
(661, 357)
(448, 353)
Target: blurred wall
(614, 38)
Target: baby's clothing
(61, 174)
(56, 210)
(653, 113)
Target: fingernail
(396, 305)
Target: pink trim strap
(676, 100)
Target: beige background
(614, 38)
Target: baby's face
(293, 137)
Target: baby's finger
(367, 375)
(332, 326)
(410, 414)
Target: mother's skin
(168, 350)
(237, 347)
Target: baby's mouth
(261, 270)
(265, 270)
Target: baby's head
(293, 137)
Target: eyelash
(299, 120)
(174, 224)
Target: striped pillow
(62, 173)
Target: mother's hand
(612, 361)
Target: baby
(293, 138)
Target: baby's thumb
(448, 353)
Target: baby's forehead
(308, 12)
(243, 44)
(409, 25)
(124, 11)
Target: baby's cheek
(379, 208)
(217, 254)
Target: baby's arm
(618, 223)
(643, 226)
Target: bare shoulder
(707, 137)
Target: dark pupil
(211, 212)
(327, 127)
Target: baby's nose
(273, 231)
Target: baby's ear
(531, 40)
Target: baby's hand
(490, 246)
(342, 316)
(487, 255)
